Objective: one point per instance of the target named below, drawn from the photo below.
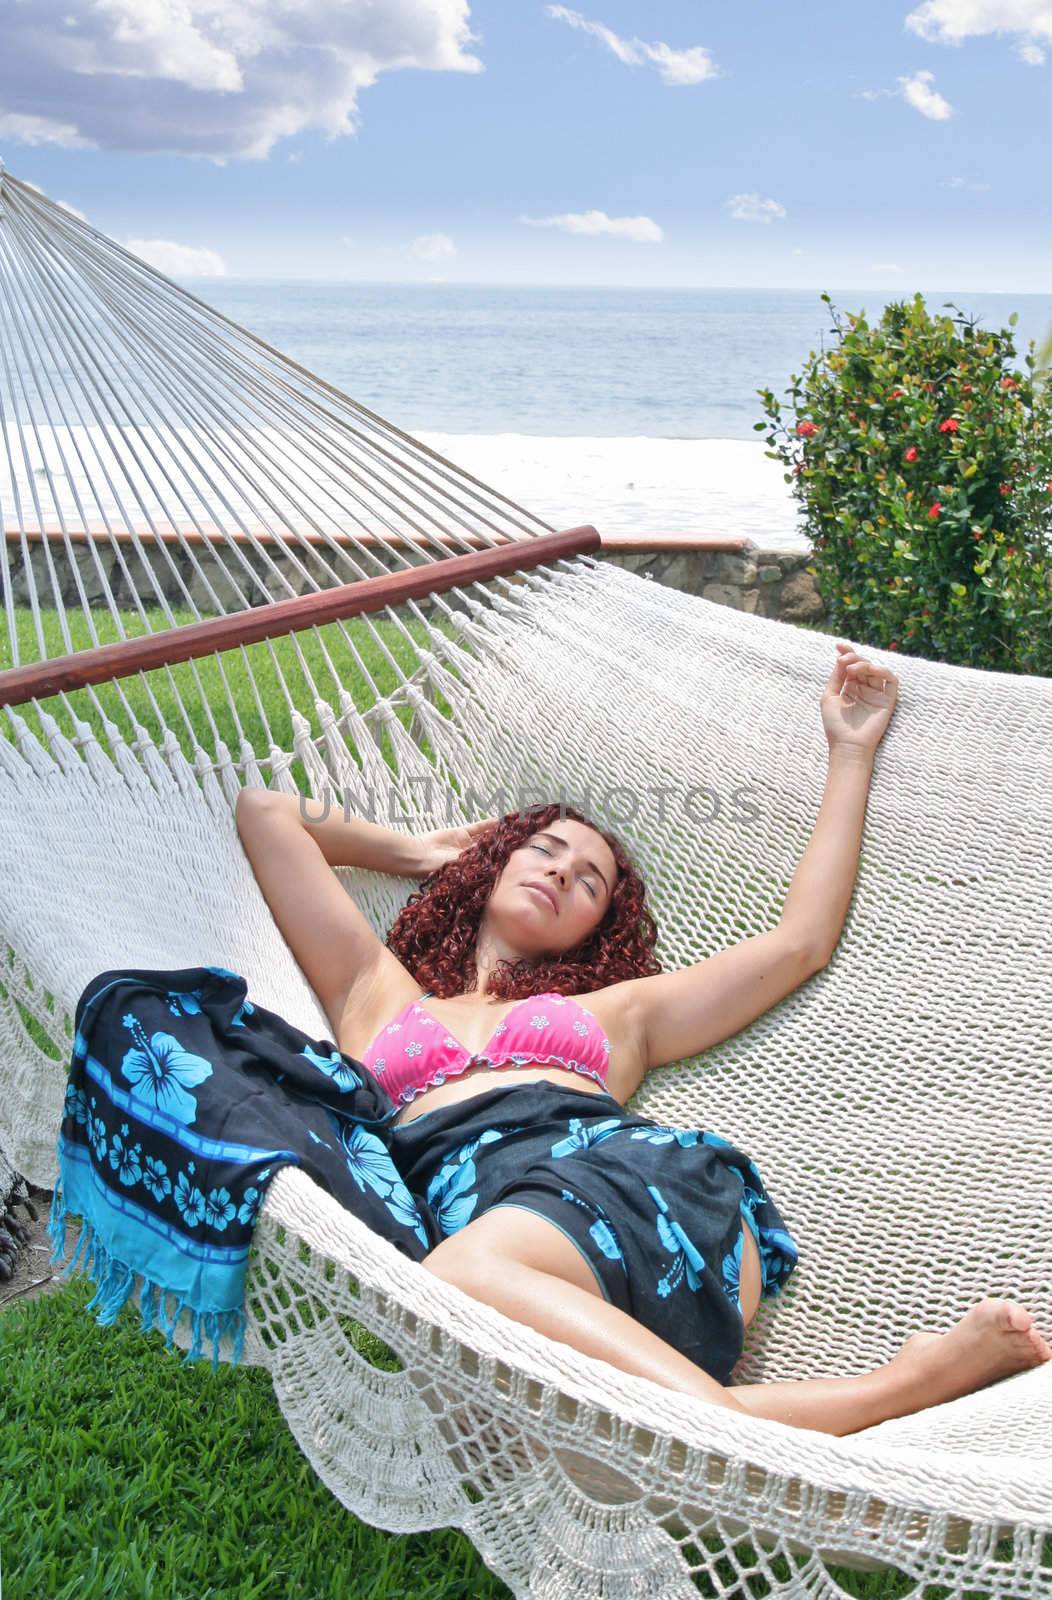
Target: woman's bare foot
(991, 1341)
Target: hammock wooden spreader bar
(196, 639)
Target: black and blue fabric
(656, 1211)
(183, 1100)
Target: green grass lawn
(124, 1475)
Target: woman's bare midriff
(477, 1080)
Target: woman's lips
(546, 893)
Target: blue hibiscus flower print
(450, 1196)
(403, 1208)
(687, 1258)
(580, 1136)
(155, 1178)
(190, 1200)
(96, 1131)
(685, 1137)
(124, 1159)
(239, 1020)
(335, 1067)
(466, 1152)
(219, 1209)
(368, 1160)
(161, 1070)
(186, 1002)
(732, 1271)
(778, 1257)
(603, 1235)
(249, 1207)
(76, 1105)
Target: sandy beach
(711, 488)
(719, 488)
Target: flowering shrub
(922, 460)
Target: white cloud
(218, 78)
(750, 208)
(961, 183)
(885, 266)
(953, 21)
(433, 247)
(29, 129)
(1031, 54)
(641, 230)
(676, 67)
(178, 260)
(918, 92)
(798, 252)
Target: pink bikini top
(414, 1052)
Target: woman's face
(577, 872)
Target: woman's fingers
(852, 670)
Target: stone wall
(731, 572)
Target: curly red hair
(435, 933)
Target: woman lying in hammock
(645, 1246)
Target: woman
(645, 1246)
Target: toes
(1044, 1353)
(1012, 1316)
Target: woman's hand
(445, 844)
(858, 701)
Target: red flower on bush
(895, 394)
(893, 644)
(949, 426)
(806, 429)
(976, 535)
(934, 509)
(1009, 383)
(966, 388)
(911, 453)
(1006, 488)
(1010, 550)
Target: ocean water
(574, 362)
(632, 409)
(629, 409)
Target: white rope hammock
(898, 1103)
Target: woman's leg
(526, 1268)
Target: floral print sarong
(183, 1100)
(657, 1212)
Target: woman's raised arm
(681, 1014)
(292, 858)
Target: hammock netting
(161, 470)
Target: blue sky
(884, 146)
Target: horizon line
(695, 288)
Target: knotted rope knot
(383, 712)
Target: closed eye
(588, 885)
